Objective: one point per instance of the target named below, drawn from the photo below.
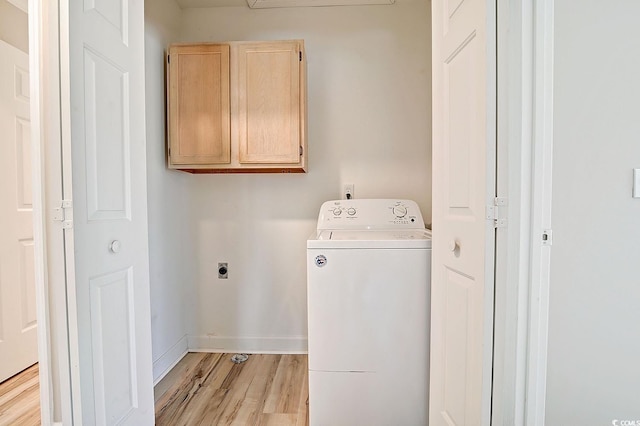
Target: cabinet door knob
(454, 245)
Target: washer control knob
(337, 212)
(400, 211)
(351, 211)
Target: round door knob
(115, 246)
(454, 245)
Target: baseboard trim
(169, 359)
(252, 345)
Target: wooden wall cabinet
(237, 107)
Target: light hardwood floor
(202, 389)
(20, 399)
(209, 389)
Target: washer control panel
(370, 214)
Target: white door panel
(106, 80)
(463, 185)
(18, 345)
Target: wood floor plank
(185, 393)
(24, 413)
(237, 397)
(203, 389)
(216, 401)
(303, 405)
(20, 399)
(284, 396)
(278, 419)
(221, 396)
(14, 386)
(261, 386)
(251, 408)
(209, 389)
(178, 373)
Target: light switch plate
(636, 183)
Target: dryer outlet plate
(223, 270)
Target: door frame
(39, 222)
(525, 132)
(541, 188)
(54, 342)
(36, 31)
(525, 141)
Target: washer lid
(401, 239)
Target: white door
(464, 121)
(107, 141)
(18, 338)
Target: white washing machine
(368, 286)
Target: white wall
(594, 324)
(369, 124)
(169, 203)
(14, 26)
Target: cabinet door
(269, 102)
(199, 115)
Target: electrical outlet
(223, 270)
(347, 193)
